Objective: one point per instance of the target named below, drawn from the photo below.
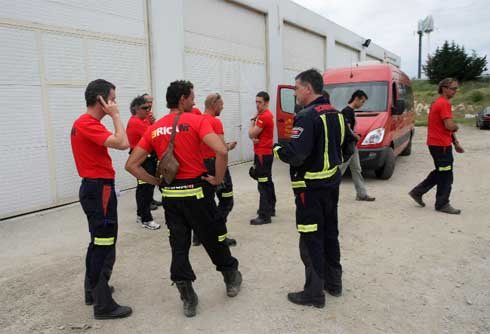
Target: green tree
(451, 60)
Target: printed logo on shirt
(167, 130)
(296, 132)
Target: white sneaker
(151, 225)
(138, 220)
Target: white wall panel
(120, 63)
(19, 62)
(225, 52)
(52, 49)
(64, 58)
(24, 165)
(345, 56)
(302, 50)
(369, 57)
(224, 26)
(65, 106)
(115, 17)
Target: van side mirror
(399, 107)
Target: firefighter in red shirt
(151, 119)
(189, 199)
(440, 138)
(89, 142)
(213, 108)
(137, 125)
(261, 131)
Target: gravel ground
(406, 269)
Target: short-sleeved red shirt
(265, 121)
(135, 129)
(187, 147)
(437, 134)
(217, 126)
(196, 111)
(92, 158)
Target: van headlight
(374, 137)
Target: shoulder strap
(172, 136)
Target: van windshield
(377, 93)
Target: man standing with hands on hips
(441, 136)
(261, 131)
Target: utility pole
(424, 26)
(420, 33)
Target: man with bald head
(213, 108)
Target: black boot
(229, 242)
(188, 296)
(301, 298)
(233, 281)
(89, 298)
(105, 307)
(260, 221)
(333, 281)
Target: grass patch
(471, 93)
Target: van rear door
(285, 111)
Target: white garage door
(345, 56)
(373, 58)
(54, 49)
(225, 52)
(302, 50)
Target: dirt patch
(407, 269)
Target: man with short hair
(137, 125)
(189, 199)
(89, 141)
(356, 101)
(314, 154)
(151, 119)
(213, 108)
(261, 131)
(441, 136)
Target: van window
(405, 93)
(377, 93)
(288, 101)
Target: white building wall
(311, 54)
(56, 47)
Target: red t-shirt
(437, 134)
(265, 121)
(92, 158)
(135, 130)
(196, 111)
(217, 126)
(190, 131)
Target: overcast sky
(392, 24)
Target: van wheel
(408, 150)
(385, 172)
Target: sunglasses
(145, 107)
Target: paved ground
(407, 269)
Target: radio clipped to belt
(168, 165)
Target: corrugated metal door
(345, 55)
(302, 50)
(50, 51)
(225, 52)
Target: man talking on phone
(214, 106)
(90, 141)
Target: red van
(385, 123)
